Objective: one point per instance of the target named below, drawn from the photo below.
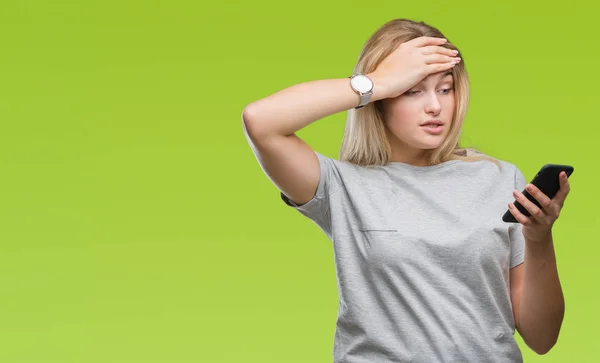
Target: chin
(430, 147)
(433, 144)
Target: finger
(423, 41)
(564, 189)
(439, 50)
(438, 58)
(439, 67)
(520, 217)
(535, 212)
(542, 198)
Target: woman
(427, 270)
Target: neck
(416, 160)
(407, 155)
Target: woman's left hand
(538, 227)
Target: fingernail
(530, 188)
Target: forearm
(542, 304)
(297, 106)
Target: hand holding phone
(547, 181)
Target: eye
(409, 93)
(447, 90)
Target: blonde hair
(365, 142)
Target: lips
(433, 122)
(433, 128)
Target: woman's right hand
(410, 63)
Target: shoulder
(494, 165)
(353, 176)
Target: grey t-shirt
(422, 259)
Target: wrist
(380, 88)
(539, 241)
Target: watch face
(362, 83)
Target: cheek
(449, 102)
(402, 112)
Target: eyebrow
(448, 73)
(445, 77)
(442, 79)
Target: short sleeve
(317, 209)
(517, 241)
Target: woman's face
(405, 116)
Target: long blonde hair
(365, 142)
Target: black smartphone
(548, 182)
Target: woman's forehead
(438, 77)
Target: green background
(136, 224)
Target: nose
(433, 104)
